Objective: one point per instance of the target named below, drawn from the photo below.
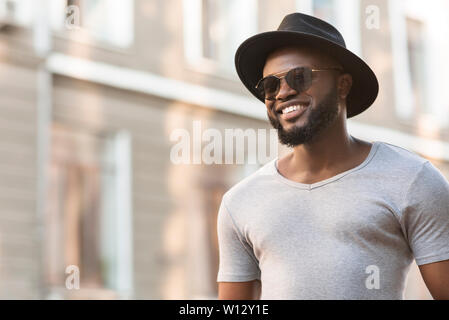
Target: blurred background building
(91, 91)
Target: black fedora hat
(308, 31)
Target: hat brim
(251, 55)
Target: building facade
(93, 94)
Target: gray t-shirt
(352, 236)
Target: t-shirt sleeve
(237, 261)
(425, 216)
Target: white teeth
(292, 108)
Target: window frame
(23, 16)
(117, 242)
(349, 28)
(193, 41)
(83, 35)
(437, 98)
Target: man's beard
(319, 119)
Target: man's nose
(285, 90)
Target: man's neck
(323, 158)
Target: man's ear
(344, 85)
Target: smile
(293, 108)
(293, 112)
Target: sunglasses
(299, 79)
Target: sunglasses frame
(261, 90)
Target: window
(17, 12)
(210, 29)
(342, 14)
(419, 61)
(325, 10)
(88, 221)
(213, 30)
(108, 22)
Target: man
(338, 218)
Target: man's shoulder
(399, 158)
(430, 181)
(406, 168)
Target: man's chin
(290, 133)
(294, 136)
(278, 123)
(291, 125)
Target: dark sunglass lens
(299, 79)
(295, 79)
(270, 86)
